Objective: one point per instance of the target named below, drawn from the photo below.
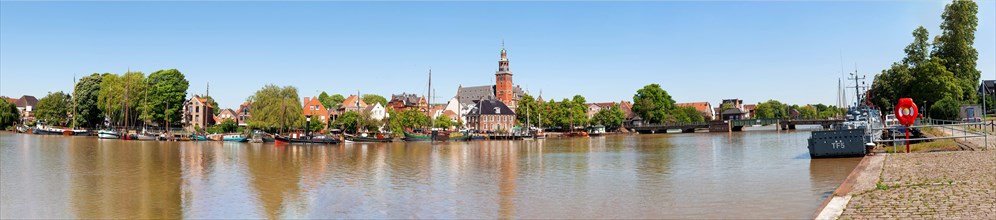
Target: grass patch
(936, 145)
(881, 186)
(932, 132)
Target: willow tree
(276, 109)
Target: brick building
(491, 115)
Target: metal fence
(955, 129)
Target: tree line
(939, 75)
(99, 100)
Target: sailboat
(529, 127)
(145, 135)
(107, 132)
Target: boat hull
(359, 139)
(108, 135)
(838, 143)
(281, 139)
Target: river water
(752, 174)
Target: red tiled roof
(603, 104)
(351, 102)
(699, 106)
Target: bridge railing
(680, 124)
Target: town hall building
(503, 90)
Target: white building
(377, 111)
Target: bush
(947, 109)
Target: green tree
(111, 97)
(947, 108)
(954, 45)
(935, 83)
(652, 103)
(771, 109)
(88, 113)
(167, 92)
(135, 88)
(370, 99)
(276, 109)
(215, 109)
(8, 113)
(611, 117)
(54, 108)
(315, 125)
(335, 100)
(686, 114)
(443, 122)
(326, 100)
(228, 126)
(725, 106)
(347, 122)
(527, 105)
(917, 52)
(808, 112)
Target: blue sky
(698, 51)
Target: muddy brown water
(753, 174)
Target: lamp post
(307, 127)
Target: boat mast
(74, 102)
(127, 84)
(358, 111)
(428, 92)
(541, 112)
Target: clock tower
(503, 79)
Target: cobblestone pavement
(948, 185)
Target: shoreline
(921, 184)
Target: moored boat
(304, 140)
(596, 130)
(235, 138)
(47, 130)
(377, 138)
(108, 134)
(417, 137)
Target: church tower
(503, 79)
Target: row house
(314, 108)
(352, 103)
(226, 114)
(597, 107)
(26, 106)
(242, 115)
(407, 101)
(491, 115)
(377, 111)
(197, 113)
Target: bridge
(662, 128)
(732, 125)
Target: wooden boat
(378, 138)
(47, 130)
(235, 138)
(417, 137)
(313, 140)
(81, 132)
(108, 134)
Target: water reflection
(745, 174)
